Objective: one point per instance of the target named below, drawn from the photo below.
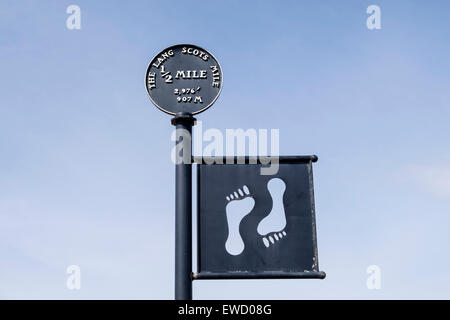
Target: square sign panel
(257, 226)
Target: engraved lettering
(195, 52)
(185, 95)
(191, 74)
(181, 91)
(216, 76)
(180, 73)
(151, 80)
(166, 75)
(163, 57)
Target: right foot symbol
(272, 226)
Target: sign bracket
(255, 275)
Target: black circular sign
(183, 79)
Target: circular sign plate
(183, 79)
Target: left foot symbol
(240, 204)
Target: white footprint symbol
(240, 203)
(272, 226)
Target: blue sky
(86, 176)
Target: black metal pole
(183, 206)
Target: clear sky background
(85, 172)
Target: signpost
(249, 225)
(183, 80)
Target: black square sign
(257, 226)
